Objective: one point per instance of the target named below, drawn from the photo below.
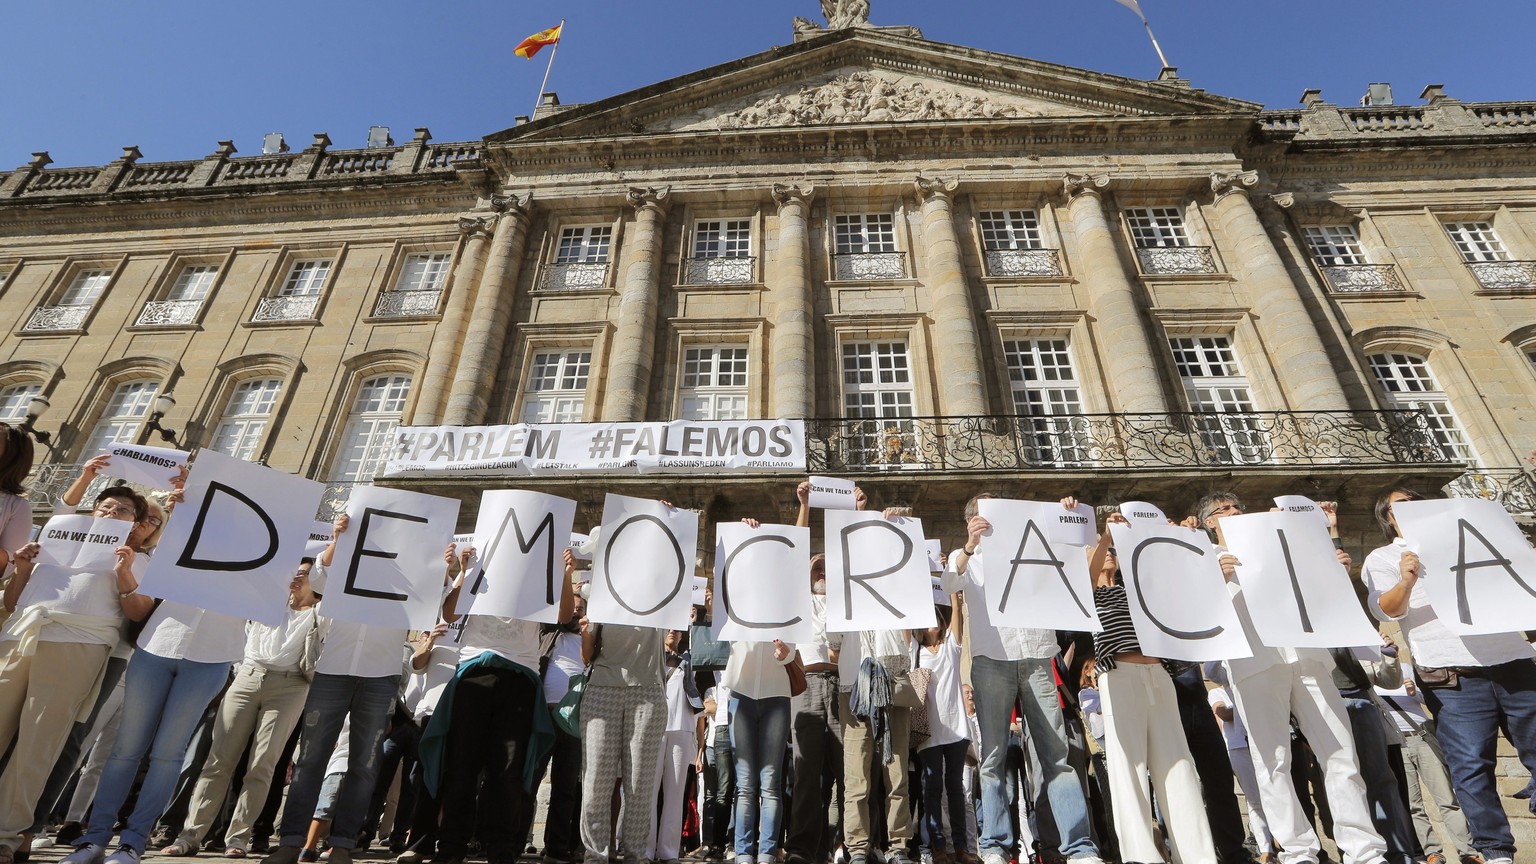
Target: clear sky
(84, 78)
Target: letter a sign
(1479, 571)
(1034, 579)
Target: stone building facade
(967, 270)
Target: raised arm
(803, 493)
(88, 473)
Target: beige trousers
(861, 758)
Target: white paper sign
(521, 540)
(82, 543)
(236, 539)
(577, 542)
(1300, 504)
(1297, 592)
(939, 597)
(319, 538)
(154, 467)
(644, 559)
(699, 593)
(1033, 579)
(935, 550)
(1179, 602)
(831, 493)
(1140, 511)
(388, 568)
(764, 589)
(877, 573)
(1479, 571)
(1075, 527)
(466, 600)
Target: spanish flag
(530, 46)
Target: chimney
(1377, 95)
(272, 144)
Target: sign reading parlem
(236, 539)
(831, 493)
(1179, 602)
(1035, 578)
(877, 573)
(388, 567)
(82, 543)
(154, 467)
(1142, 512)
(643, 563)
(757, 589)
(521, 538)
(1479, 571)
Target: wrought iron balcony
(721, 270)
(406, 304)
(1515, 488)
(1122, 441)
(1175, 260)
(47, 482)
(1362, 278)
(869, 266)
(1504, 275)
(573, 277)
(334, 502)
(298, 308)
(46, 318)
(165, 313)
(1023, 262)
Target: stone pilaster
(634, 339)
(1290, 335)
(792, 344)
(956, 342)
(480, 357)
(1118, 320)
(437, 380)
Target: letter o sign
(677, 550)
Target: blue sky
(86, 78)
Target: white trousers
(1267, 700)
(1144, 735)
(677, 752)
(1248, 781)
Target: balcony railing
(300, 308)
(1515, 488)
(45, 318)
(721, 270)
(869, 266)
(574, 277)
(1175, 260)
(334, 502)
(1362, 278)
(406, 304)
(161, 313)
(1122, 441)
(1504, 275)
(1023, 262)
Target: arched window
(15, 399)
(1410, 385)
(245, 417)
(366, 441)
(121, 418)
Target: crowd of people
(183, 731)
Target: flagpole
(1144, 23)
(556, 47)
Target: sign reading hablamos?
(680, 446)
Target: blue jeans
(759, 734)
(998, 685)
(331, 698)
(1467, 724)
(163, 699)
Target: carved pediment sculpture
(863, 97)
(845, 13)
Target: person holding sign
(1013, 665)
(1270, 688)
(1472, 683)
(1143, 733)
(55, 646)
(15, 510)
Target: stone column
(480, 358)
(1296, 350)
(792, 344)
(1121, 326)
(437, 380)
(634, 339)
(957, 345)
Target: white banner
(154, 467)
(1301, 504)
(1180, 605)
(388, 568)
(939, 597)
(236, 540)
(935, 550)
(1478, 570)
(552, 448)
(319, 538)
(520, 543)
(1140, 512)
(643, 563)
(1034, 579)
(82, 543)
(1298, 594)
(877, 573)
(831, 493)
(764, 586)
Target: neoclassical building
(967, 270)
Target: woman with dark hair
(15, 510)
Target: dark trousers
(489, 737)
(815, 812)
(719, 792)
(1209, 750)
(1389, 811)
(944, 783)
(397, 753)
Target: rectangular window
(877, 384)
(1218, 392)
(194, 282)
(588, 244)
(1009, 230)
(1045, 391)
(1335, 245)
(865, 232)
(85, 289)
(121, 419)
(1476, 241)
(369, 436)
(717, 238)
(305, 279)
(15, 400)
(714, 383)
(1154, 227)
(1411, 386)
(245, 418)
(557, 387)
(423, 272)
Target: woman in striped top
(1142, 732)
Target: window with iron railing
(1219, 395)
(1410, 385)
(1045, 390)
(877, 384)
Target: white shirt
(279, 649)
(1093, 712)
(816, 650)
(426, 686)
(511, 638)
(946, 706)
(1310, 661)
(359, 650)
(996, 643)
(564, 664)
(76, 592)
(753, 672)
(679, 713)
(177, 631)
(850, 652)
(1232, 730)
(1433, 643)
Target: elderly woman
(55, 650)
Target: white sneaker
(1499, 861)
(125, 854)
(85, 853)
(43, 842)
(1086, 859)
(993, 858)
